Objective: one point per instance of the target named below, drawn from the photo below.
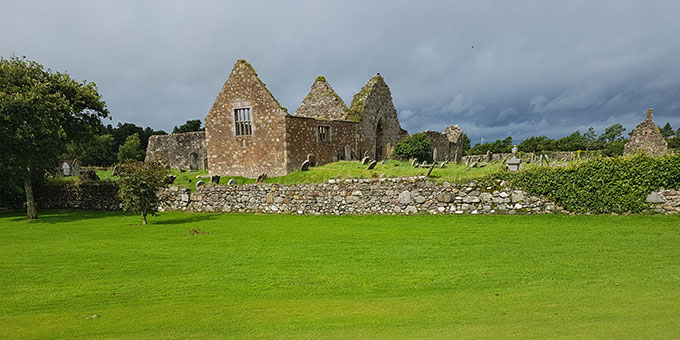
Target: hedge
(602, 185)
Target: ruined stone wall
(374, 109)
(248, 156)
(302, 139)
(665, 201)
(382, 196)
(440, 142)
(175, 150)
(647, 138)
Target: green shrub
(416, 146)
(602, 185)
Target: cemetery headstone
(215, 179)
(305, 166)
(365, 160)
(231, 182)
(371, 165)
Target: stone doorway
(379, 141)
(193, 161)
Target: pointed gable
(356, 110)
(322, 102)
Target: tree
(499, 146)
(138, 186)
(537, 144)
(591, 139)
(40, 112)
(465, 143)
(95, 151)
(415, 146)
(189, 126)
(573, 142)
(131, 150)
(612, 133)
(667, 130)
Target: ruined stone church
(247, 131)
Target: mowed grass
(350, 277)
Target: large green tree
(131, 149)
(612, 133)
(40, 112)
(667, 130)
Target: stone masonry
(179, 150)
(647, 138)
(248, 133)
(384, 196)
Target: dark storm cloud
(495, 68)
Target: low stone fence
(94, 195)
(665, 201)
(384, 196)
(359, 196)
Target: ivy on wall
(602, 185)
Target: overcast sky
(495, 68)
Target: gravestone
(371, 165)
(89, 175)
(311, 159)
(365, 160)
(200, 183)
(488, 157)
(348, 153)
(473, 164)
(304, 166)
(66, 169)
(215, 179)
(365, 154)
(261, 178)
(231, 182)
(434, 155)
(384, 161)
(429, 171)
(514, 162)
(443, 165)
(414, 162)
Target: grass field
(310, 277)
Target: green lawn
(350, 277)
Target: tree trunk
(143, 218)
(31, 212)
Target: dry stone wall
(393, 196)
(179, 150)
(86, 195)
(665, 201)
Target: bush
(138, 184)
(602, 185)
(416, 146)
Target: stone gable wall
(647, 138)
(247, 156)
(302, 140)
(378, 107)
(175, 149)
(322, 102)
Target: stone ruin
(247, 131)
(647, 138)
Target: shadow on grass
(65, 216)
(188, 218)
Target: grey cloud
(536, 68)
